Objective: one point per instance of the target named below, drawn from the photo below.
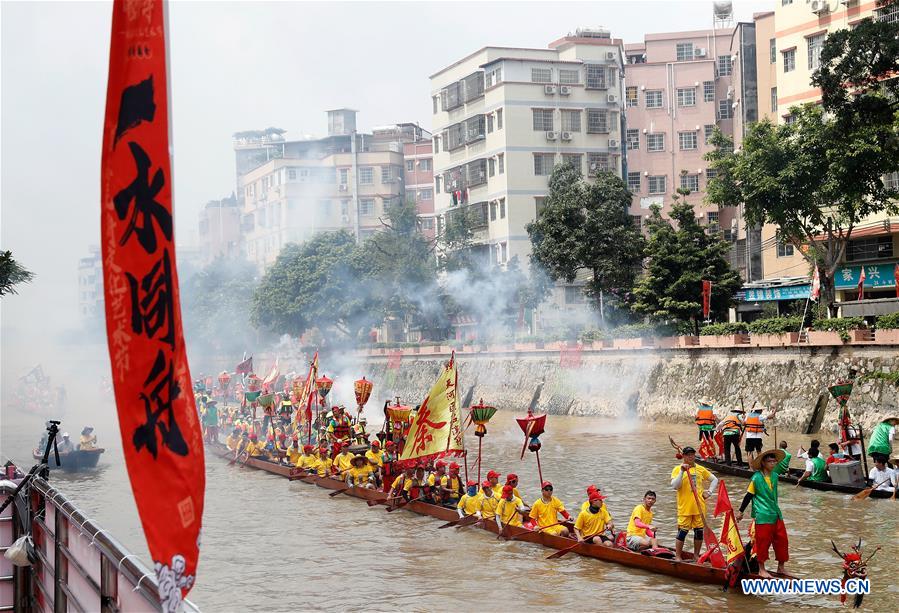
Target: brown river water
(272, 545)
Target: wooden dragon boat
(792, 477)
(685, 570)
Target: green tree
(456, 248)
(585, 226)
(12, 273)
(314, 284)
(680, 258)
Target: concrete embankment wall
(658, 385)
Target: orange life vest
(705, 417)
(730, 423)
(754, 424)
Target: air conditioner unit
(552, 135)
(342, 187)
(700, 52)
(610, 55)
(549, 90)
(819, 6)
(565, 90)
(613, 143)
(612, 98)
(566, 135)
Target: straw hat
(756, 463)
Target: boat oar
(340, 491)
(524, 534)
(471, 523)
(868, 490)
(378, 501)
(562, 552)
(399, 506)
(456, 522)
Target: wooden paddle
(400, 505)
(868, 490)
(562, 552)
(340, 491)
(372, 503)
(524, 534)
(456, 522)
(471, 523)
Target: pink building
(419, 179)
(678, 87)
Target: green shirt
(783, 466)
(820, 473)
(765, 509)
(880, 440)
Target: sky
(235, 66)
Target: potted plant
(775, 331)
(887, 329)
(837, 331)
(724, 334)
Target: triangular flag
(723, 502)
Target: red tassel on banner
(160, 428)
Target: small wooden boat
(72, 461)
(682, 570)
(792, 477)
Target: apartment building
(504, 117)
(90, 284)
(219, 229)
(419, 180)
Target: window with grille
(653, 98)
(708, 91)
(491, 167)
(367, 207)
(637, 220)
(710, 173)
(499, 119)
(772, 50)
(493, 210)
(724, 110)
(366, 175)
(711, 220)
(784, 250)
(543, 120)
(877, 248)
(687, 140)
(543, 164)
(686, 96)
(630, 94)
(633, 181)
(451, 96)
(473, 86)
(291, 174)
(501, 158)
(597, 162)
(489, 123)
(725, 65)
(596, 76)
(426, 194)
(888, 14)
(633, 139)
(437, 184)
(569, 77)
(435, 99)
(597, 121)
(657, 184)
(709, 129)
(655, 141)
(502, 208)
(690, 182)
(773, 99)
(571, 121)
(574, 159)
(684, 52)
(476, 173)
(815, 45)
(387, 174)
(541, 75)
(891, 181)
(424, 164)
(789, 60)
(436, 144)
(410, 165)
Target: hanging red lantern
(363, 388)
(323, 384)
(224, 380)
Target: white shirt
(854, 448)
(810, 466)
(878, 476)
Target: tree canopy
(12, 273)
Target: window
(543, 120)
(575, 159)
(366, 175)
(815, 44)
(772, 50)
(569, 77)
(499, 119)
(633, 181)
(686, 96)
(424, 164)
(427, 223)
(708, 91)
(709, 130)
(653, 98)
(291, 174)
(655, 141)
(426, 194)
(501, 166)
(773, 99)
(436, 105)
(724, 110)
(597, 162)
(386, 174)
(596, 76)
(785, 2)
(784, 250)
(367, 207)
(538, 205)
(491, 167)
(541, 75)
(690, 182)
(710, 173)
(436, 144)
(489, 123)
(877, 248)
(574, 295)
(493, 210)
(410, 165)
(633, 139)
(502, 208)
(888, 13)
(789, 60)
(684, 52)
(687, 140)
(437, 184)
(597, 121)
(891, 181)
(711, 220)
(637, 58)
(543, 164)
(657, 184)
(725, 65)
(571, 121)
(790, 119)
(630, 94)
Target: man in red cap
(397, 488)
(254, 449)
(294, 453)
(590, 490)
(510, 509)
(321, 465)
(493, 478)
(343, 461)
(489, 500)
(593, 523)
(470, 502)
(307, 458)
(546, 510)
(435, 494)
(388, 457)
(511, 479)
(451, 486)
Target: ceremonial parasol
(254, 388)
(533, 426)
(224, 380)
(363, 388)
(480, 414)
(323, 384)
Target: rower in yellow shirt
(254, 448)
(592, 523)
(493, 478)
(294, 453)
(374, 455)
(233, 439)
(489, 500)
(451, 486)
(640, 530)
(397, 487)
(470, 502)
(546, 510)
(343, 461)
(306, 458)
(434, 480)
(322, 464)
(360, 473)
(511, 479)
(689, 514)
(510, 509)
(590, 490)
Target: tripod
(42, 469)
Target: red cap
(282, 436)
(507, 489)
(307, 448)
(453, 466)
(511, 477)
(493, 475)
(471, 482)
(345, 444)
(439, 463)
(390, 444)
(270, 437)
(296, 439)
(591, 489)
(253, 437)
(545, 484)
(487, 485)
(594, 495)
(376, 443)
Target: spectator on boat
(732, 429)
(836, 456)
(510, 509)
(489, 501)
(546, 510)
(815, 467)
(690, 505)
(783, 467)
(769, 525)
(640, 529)
(754, 427)
(883, 477)
(706, 421)
(881, 441)
(469, 502)
(590, 525)
(65, 445)
(88, 439)
(211, 421)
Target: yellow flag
(437, 428)
(731, 543)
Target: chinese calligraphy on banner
(160, 428)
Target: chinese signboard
(790, 292)
(876, 275)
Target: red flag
(816, 284)
(161, 433)
(723, 502)
(706, 298)
(861, 284)
(245, 367)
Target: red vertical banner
(706, 298)
(161, 433)
(861, 284)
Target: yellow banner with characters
(730, 538)
(436, 430)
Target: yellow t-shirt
(344, 461)
(321, 466)
(686, 502)
(591, 524)
(751, 488)
(546, 513)
(294, 456)
(450, 483)
(432, 479)
(359, 476)
(375, 458)
(255, 449)
(231, 442)
(397, 481)
(413, 482)
(498, 490)
(643, 514)
(469, 504)
(488, 506)
(508, 511)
